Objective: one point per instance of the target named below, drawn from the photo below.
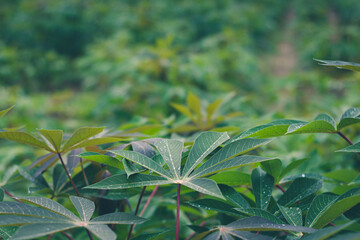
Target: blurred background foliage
(72, 63)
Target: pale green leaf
(5, 111)
(349, 117)
(323, 123)
(231, 178)
(194, 104)
(80, 135)
(262, 185)
(293, 215)
(84, 207)
(54, 137)
(343, 175)
(204, 185)
(340, 64)
(204, 144)
(351, 148)
(171, 151)
(104, 159)
(184, 110)
(212, 108)
(25, 138)
(121, 181)
(93, 142)
(143, 161)
(269, 130)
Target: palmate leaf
(25, 138)
(54, 137)
(48, 216)
(171, 151)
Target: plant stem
(344, 137)
(89, 234)
(68, 174)
(83, 172)
(67, 235)
(136, 211)
(178, 212)
(148, 200)
(280, 187)
(10, 195)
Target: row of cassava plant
(200, 182)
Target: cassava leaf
(54, 137)
(340, 64)
(5, 111)
(81, 135)
(262, 185)
(349, 117)
(292, 215)
(25, 138)
(104, 159)
(171, 151)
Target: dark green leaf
(233, 196)
(292, 215)
(262, 185)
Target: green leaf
(212, 108)
(342, 204)
(215, 205)
(349, 117)
(117, 218)
(3, 112)
(294, 164)
(84, 207)
(204, 185)
(318, 206)
(343, 175)
(194, 104)
(171, 151)
(104, 159)
(229, 151)
(49, 205)
(292, 215)
(340, 64)
(184, 110)
(54, 137)
(231, 178)
(261, 224)
(204, 144)
(103, 232)
(93, 142)
(262, 185)
(7, 232)
(121, 181)
(272, 167)
(347, 236)
(233, 196)
(235, 162)
(269, 130)
(51, 217)
(81, 135)
(351, 148)
(25, 138)
(41, 229)
(143, 161)
(259, 213)
(299, 189)
(323, 123)
(327, 232)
